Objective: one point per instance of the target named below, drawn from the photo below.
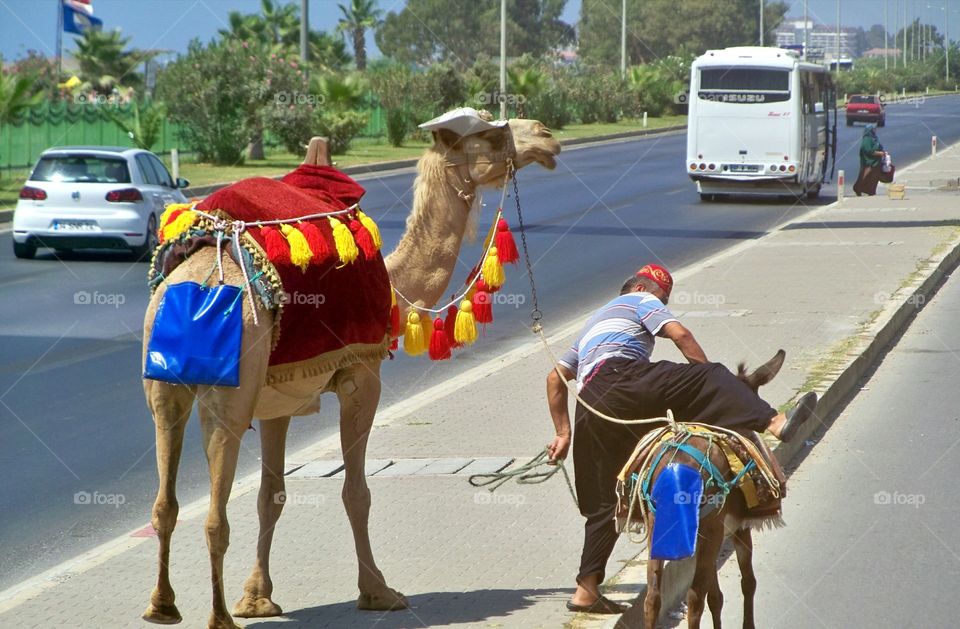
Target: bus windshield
(744, 85)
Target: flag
(79, 20)
(85, 6)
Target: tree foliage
(457, 31)
(17, 94)
(657, 28)
(357, 18)
(104, 63)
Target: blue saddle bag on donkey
(196, 336)
(676, 495)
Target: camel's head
(485, 156)
(763, 374)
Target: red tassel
(482, 304)
(449, 326)
(395, 344)
(395, 329)
(278, 251)
(320, 244)
(439, 343)
(506, 245)
(363, 239)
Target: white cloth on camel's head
(463, 121)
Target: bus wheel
(707, 197)
(814, 193)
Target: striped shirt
(625, 327)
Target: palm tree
(103, 61)
(16, 96)
(526, 84)
(361, 15)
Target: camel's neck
(424, 261)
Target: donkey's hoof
(162, 614)
(386, 600)
(256, 607)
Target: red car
(865, 108)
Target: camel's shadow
(432, 609)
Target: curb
(872, 344)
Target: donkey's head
(762, 374)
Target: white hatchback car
(94, 197)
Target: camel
(729, 519)
(449, 174)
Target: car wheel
(814, 193)
(145, 251)
(882, 122)
(25, 250)
(849, 123)
(706, 197)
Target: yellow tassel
(170, 209)
(367, 222)
(465, 328)
(343, 240)
(427, 324)
(413, 340)
(179, 225)
(393, 297)
(471, 292)
(493, 270)
(300, 253)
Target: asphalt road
(76, 439)
(871, 537)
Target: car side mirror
(182, 183)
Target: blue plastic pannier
(676, 495)
(196, 336)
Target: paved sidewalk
(818, 288)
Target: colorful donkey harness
(674, 495)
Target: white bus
(760, 122)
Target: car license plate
(75, 226)
(743, 168)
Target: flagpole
(59, 39)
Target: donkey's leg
(358, 389)
(170, 405)
(715, 600)
(651, 603)
(256, 601)
(743, 543)
(708, 547)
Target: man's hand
(558, 449)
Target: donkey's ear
(767, 372)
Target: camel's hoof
(222, 623)
(162, 614)
(256, 607)
(388, 600)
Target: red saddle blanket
(333, 313)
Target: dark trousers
(627, 389)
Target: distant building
(821, 40)
(875, 53)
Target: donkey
(730, 519)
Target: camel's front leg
(171, 405)
(256, 601)
(358, 389)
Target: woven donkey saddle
(752, 471)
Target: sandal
(798, 415)
(602, 605)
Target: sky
(171, 24)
